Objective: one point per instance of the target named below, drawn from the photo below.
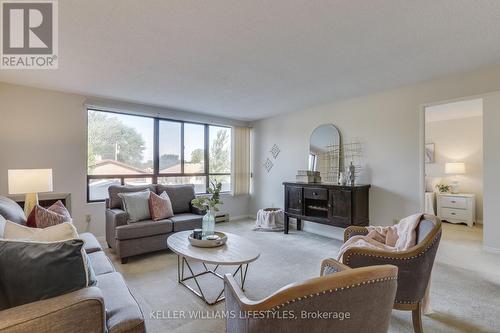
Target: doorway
(453, 163)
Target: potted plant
(442, 188)
(210, 204)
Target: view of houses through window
(122, 150)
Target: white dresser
(457, 208)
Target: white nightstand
(457, 208)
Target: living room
(214, 112)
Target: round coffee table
(236, 252)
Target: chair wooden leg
(417, 319)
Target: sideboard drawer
(454, 202)
(316, 193)
(456, 214)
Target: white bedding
(430, 203)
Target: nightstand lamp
(455, 168)
(30, 182)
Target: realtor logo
(29, 34)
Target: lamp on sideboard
(454, 168)
(30, 182)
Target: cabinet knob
(453, 214)
(453, 201)
(314, 193)
(300, 201)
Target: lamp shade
(455, 168)
(22, 181)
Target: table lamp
(30, 182)
(454, 168)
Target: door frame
(421, 139)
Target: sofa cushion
(100, 263)
(122, 311)
(116, 202)
(143, 229)
(186, 221)
(91, 244)
(180, 195)
(11, 211)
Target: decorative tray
(221, 240)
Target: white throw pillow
(54, 233)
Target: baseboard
(491, 249)
(239, 217)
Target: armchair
(415, 265)
(341, 299)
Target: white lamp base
(454, 187)
(30, 201)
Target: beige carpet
(465, 283)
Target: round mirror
(324, 152)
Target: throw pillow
(40, 270)
(54, 233)
(160, 206)
(2, 226)
(136, 205)
(57, 207)
(11, 211)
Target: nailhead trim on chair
(357, 232)
(391, 258)
(334, 290)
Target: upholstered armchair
(415, 264)
(340, 300)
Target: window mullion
(207, 161)
(182, 147)
(156, 151)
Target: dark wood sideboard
(335, 205)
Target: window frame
(156, 155)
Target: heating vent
(221, 218)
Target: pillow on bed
(430, 183)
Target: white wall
(459, 140)
(491, 146)
(388, 125)
(47, 129)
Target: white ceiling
(249, 59)
(455, 110)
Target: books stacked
(306, 176)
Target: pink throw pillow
(55, 214)
(160, 206)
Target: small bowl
(208, 242)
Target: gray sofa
(107, 307)
(148, 236)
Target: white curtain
(241, 160)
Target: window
(194, 148)
(170, 147)
(137, 150)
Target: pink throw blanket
(399, 237)
(396, 238)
